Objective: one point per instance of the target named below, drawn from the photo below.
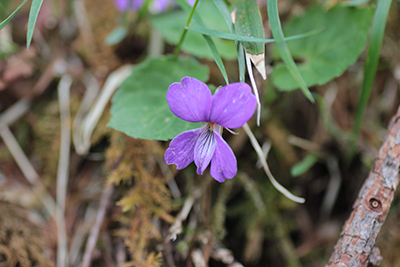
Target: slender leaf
(378, 29)
(33, 14)
(217, 57)
(304, 165)
(241, 38)
(213, 48)
(277, 32)
(116, 35)
(4, 22)
(248, 23)
(225, 14)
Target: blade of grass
(223, 9)
(33, 14)
(241, 62)
(378, 29)
(276, 28)
(242, 38)
(214, 51)
(7, 20)
(217, 57)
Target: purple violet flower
(230, 107)
(157, 6)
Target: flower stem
(185, 30)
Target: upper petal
(204, 149)
(223, 163)
(190, 100)
(233, 105)
(181, 149)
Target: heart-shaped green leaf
(140, 107)
(328, 54)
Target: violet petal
(124, 5)
(223, 163)
(190, 100)
(181, 149)
(204, 149)
(233, 105)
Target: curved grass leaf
(378, 29)
(7, 20)
(277, 32)
(33, 14)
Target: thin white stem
(94, 233)
(63, 168)
(27, 169)
(263, 161)
(254, 85)
(88, 124)
(176, 228)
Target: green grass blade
(223, 9)
(217, 57)
(4, 22)
(33, 14)
(214, 51)
(241, 62)
(276, 28)
(242, 38)
(249, 23)
(378, 29)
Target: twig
(356, 245)
(27, 169)
(81, 233)
(82, 138)
(63, 168)
(176, 228)
(254, 85)
(94, 234)
(263, 161)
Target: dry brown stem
(356, 245)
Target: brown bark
(356, 245)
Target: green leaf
(236, 37)
(216, 56)
(378, 29)
(170, 26)
(140, 109)
(273, 15)
(248, 23)
(328, 54)
(116, 35)
(4, 22)
(4, 4)
(304, 165)
(33, 14)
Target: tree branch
(356, 245)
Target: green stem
(185, 30)
(378, 30)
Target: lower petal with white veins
(181, 149)
(204, 148)
(223, 162)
